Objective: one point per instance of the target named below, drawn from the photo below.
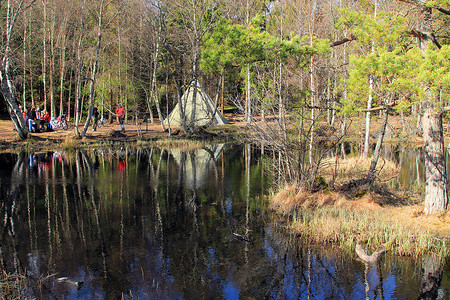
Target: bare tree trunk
(24, 83)
(248, 103)
(44, 53)
(94, 71)
(369, 104)
(312, 87)
(365, 153)
(78, 86)
(62, 74)
(51, 90)
(376, 154)
(8, 95)
(7, 88)
(153, 90)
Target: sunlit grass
(356, 167)
(331, 218)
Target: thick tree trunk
(436, 194)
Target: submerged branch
(373, 258)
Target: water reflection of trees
(133, 220)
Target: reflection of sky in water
(268, 249)
(389, 284)
(290, 281)
(229, 205)
(230, 291)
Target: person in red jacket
(45, 121)
(120, 111)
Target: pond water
(168, 224)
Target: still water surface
(168, 224)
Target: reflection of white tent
(198, 112)
(197, 164)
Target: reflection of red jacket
(121, 111)
(121, 166)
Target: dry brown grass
(293, 198)
(336, 218)
(356, 167)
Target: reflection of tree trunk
(94, 206)
(159, 229)
(66, 207)
(432, 267)
(247, 211)
(32, 232)
(8, 209)
(180, 175)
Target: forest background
(310, 66)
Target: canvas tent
(198, 112)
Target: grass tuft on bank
(335, 218)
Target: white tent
(198, 112)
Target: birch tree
(14, 10)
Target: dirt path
(147, 131)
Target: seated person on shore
(31, 123)
(45, 122)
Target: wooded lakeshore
(299, 72)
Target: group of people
(36, 119)
(34, 116)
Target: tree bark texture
(436, 194)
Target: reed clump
(334, 218)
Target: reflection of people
(47, 163)
(120, 111)
(121, 165)
(95, 115)
(33, 163)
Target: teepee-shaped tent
(199, 109)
